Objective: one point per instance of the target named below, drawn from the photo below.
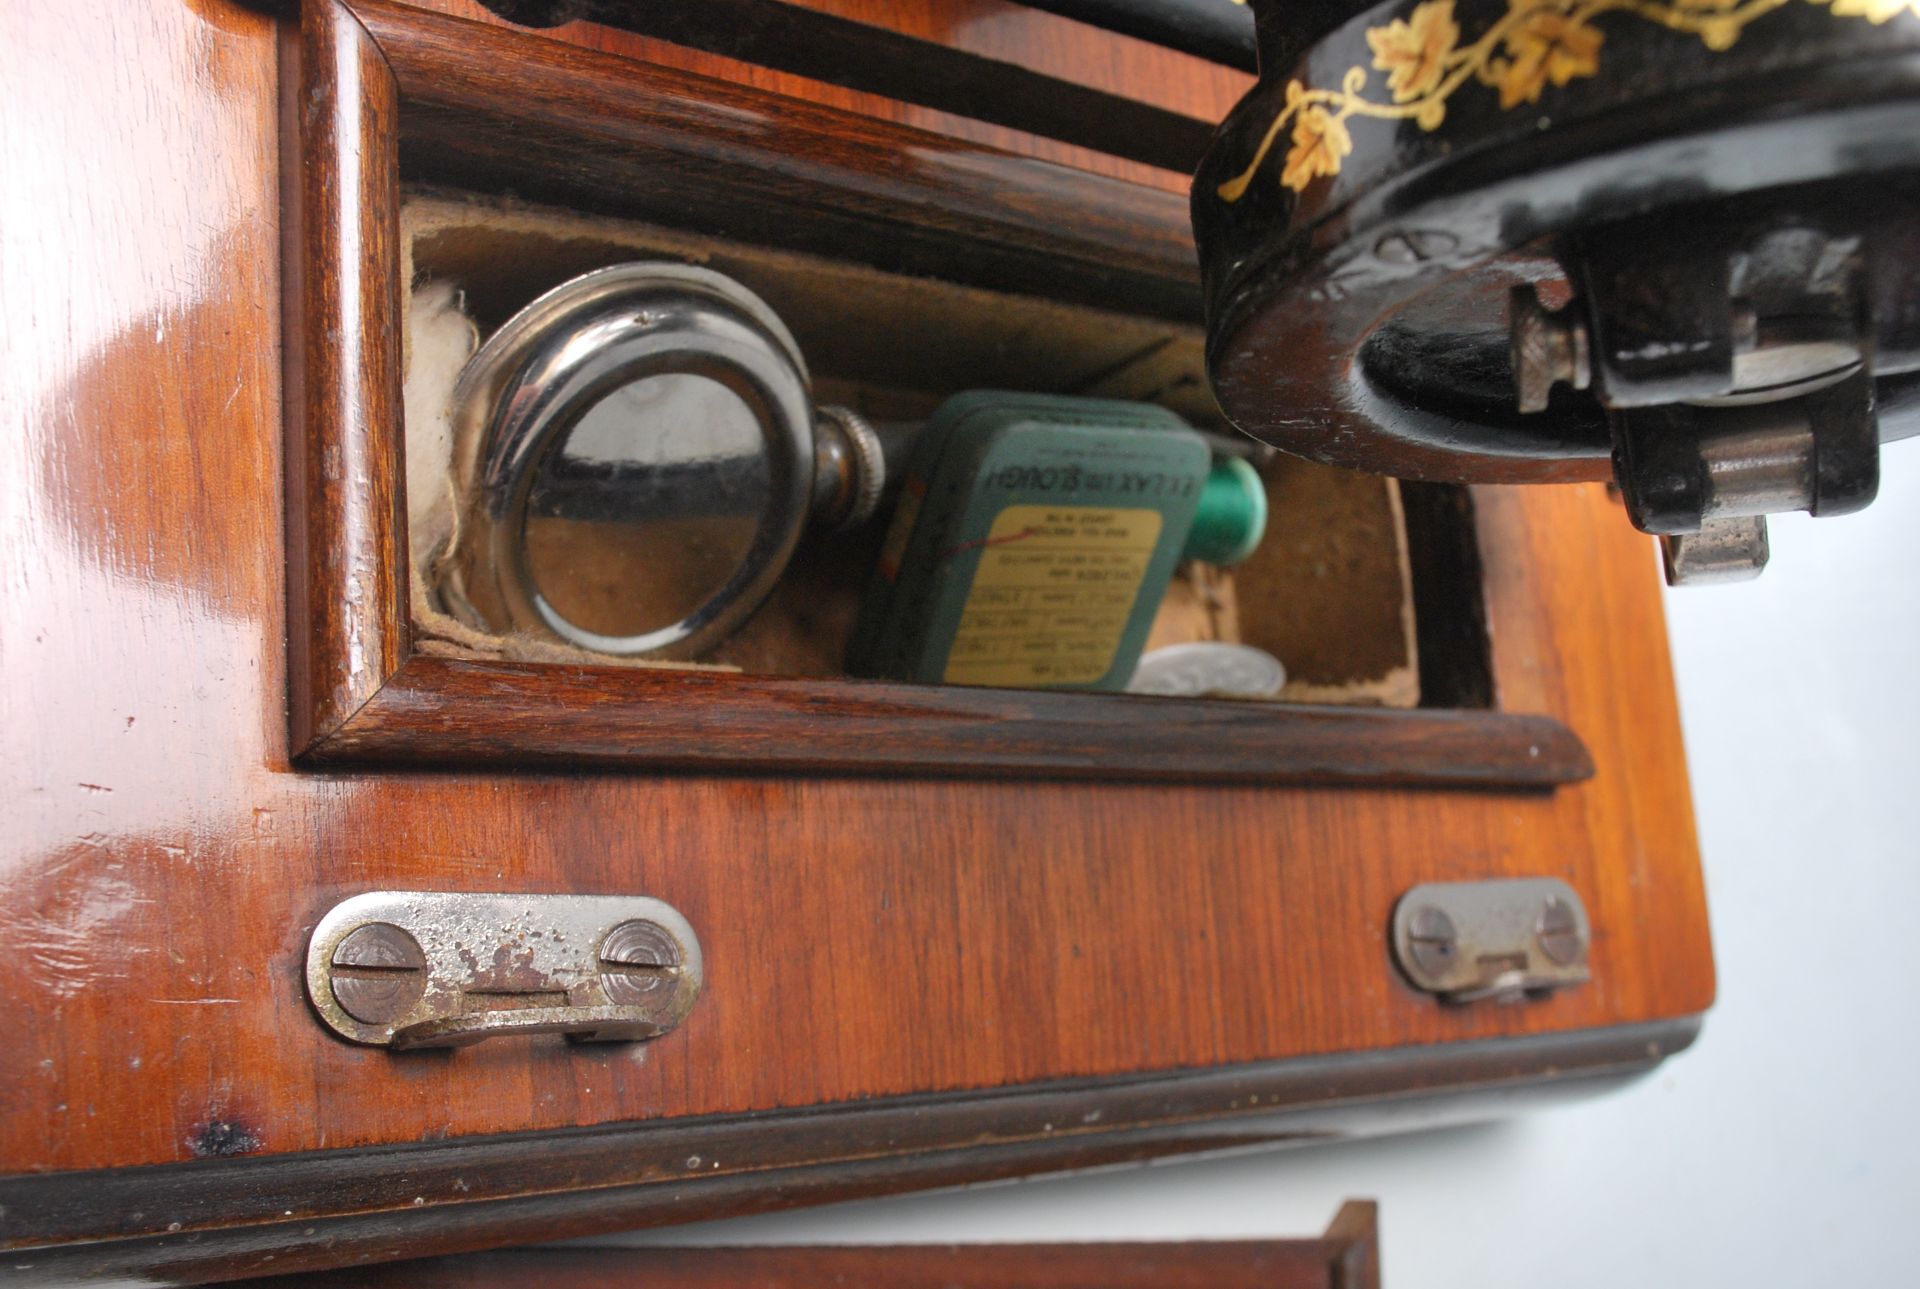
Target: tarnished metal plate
(1494, 939)
(427, 968)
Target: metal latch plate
(444, 969)
(1494, 939)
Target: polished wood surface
(492, 109)
(347, 585)
(1002, 30)
(444, 711)
(253, 1214)
(1346, 1257)
(821, 45)
(865, 938)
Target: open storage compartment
(416, 164)
(1329, 591)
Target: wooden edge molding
(447, 711)
(878, 59)
(1347, 1256)
(347, 608)
(359, 695)
(490, 105)
(227, 1218)
(1353, 1238)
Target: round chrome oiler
(637, 456)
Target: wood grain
(1219, 33)
(491, 109)
(813, 42)
(866, 939)
(1003, 30)
(243, 1216)
(444, 711)
(348, 592)
(1346, 1257)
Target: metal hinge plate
(1500, 939)
(443, 969)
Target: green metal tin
(1033, 542)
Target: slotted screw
(636, 959)
(1558, 932)
(378, 973)
(1432, 941)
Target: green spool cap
(1232, 517)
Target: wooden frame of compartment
(376, 79)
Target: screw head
(1432, 941)
(1558, 932)
(637, 960)
(378, 973)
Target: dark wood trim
(875, 59)
(361, 697)
(1220, 33)
(346, 587)
(439, 710)
(1346, 1257)
(488, 108)
(1353, 1238)
(1449, 595)
(225, 1218)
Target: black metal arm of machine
(1668, 244)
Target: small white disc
(1205, 667)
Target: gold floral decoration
(1320, 140)
(1874, 11)
(1413, 53)
(1546, 46)
(1534, 44)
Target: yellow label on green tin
(1051, 598)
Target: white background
(1781, 1149)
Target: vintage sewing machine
(624, 612)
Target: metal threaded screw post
(1548, 349)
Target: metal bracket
(1496, 939)
(406, 969)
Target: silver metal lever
(582, 1024)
